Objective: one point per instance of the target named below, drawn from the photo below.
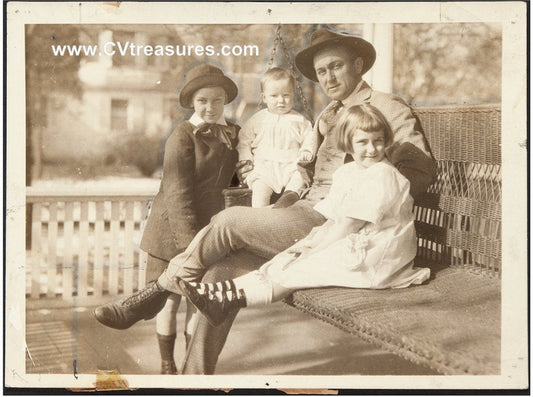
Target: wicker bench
(452, 322)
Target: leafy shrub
(140, 150)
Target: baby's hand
(243, 168)
(305, 156)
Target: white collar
(197, 120)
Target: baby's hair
(276, 74)
(363, 117)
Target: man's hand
(305, 156)
(243, 168)
(416, 166)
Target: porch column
(381, 36)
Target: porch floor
(274, 340)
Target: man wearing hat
(337, 62)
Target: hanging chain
(290, 62)
(277, 39)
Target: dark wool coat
(196, 169)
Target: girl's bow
(224, 133)
(357, 244)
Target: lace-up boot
(214, 300)
(144, 304)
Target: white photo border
(511, 15)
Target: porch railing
(85, 244)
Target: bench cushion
(451, 323)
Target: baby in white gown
(275, 140)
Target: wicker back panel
(459, 218)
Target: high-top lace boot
(144, 304)
(214, 300)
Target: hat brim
(209, 80)
(305, 59)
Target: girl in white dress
(275, 140)
(368, 240)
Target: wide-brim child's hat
(203, 76)
(323, 38)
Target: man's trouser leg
(207, 341)
(262, 231)
(284, 228)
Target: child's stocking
(257, 289)
(166, 347)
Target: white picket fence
(85, 245)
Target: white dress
(274, 142)
(380, 255)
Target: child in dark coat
(199, 163)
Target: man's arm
(419, 168)
(307, 168)
(409, 151)
(309, 142)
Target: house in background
(121, 95)
(125, 96)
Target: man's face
(337, 72)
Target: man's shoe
(214, 301)
(168, 367)
(144, 304)
(287, 199)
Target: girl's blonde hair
(276, 74)
(363, 117)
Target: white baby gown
(273, 142)
(380, 255)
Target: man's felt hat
(203, 76)
(323, 38)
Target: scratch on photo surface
(29, 354)
(16, 375)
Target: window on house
(119, 114)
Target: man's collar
(360, 94)
(197, 120)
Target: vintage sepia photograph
(312, 196)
